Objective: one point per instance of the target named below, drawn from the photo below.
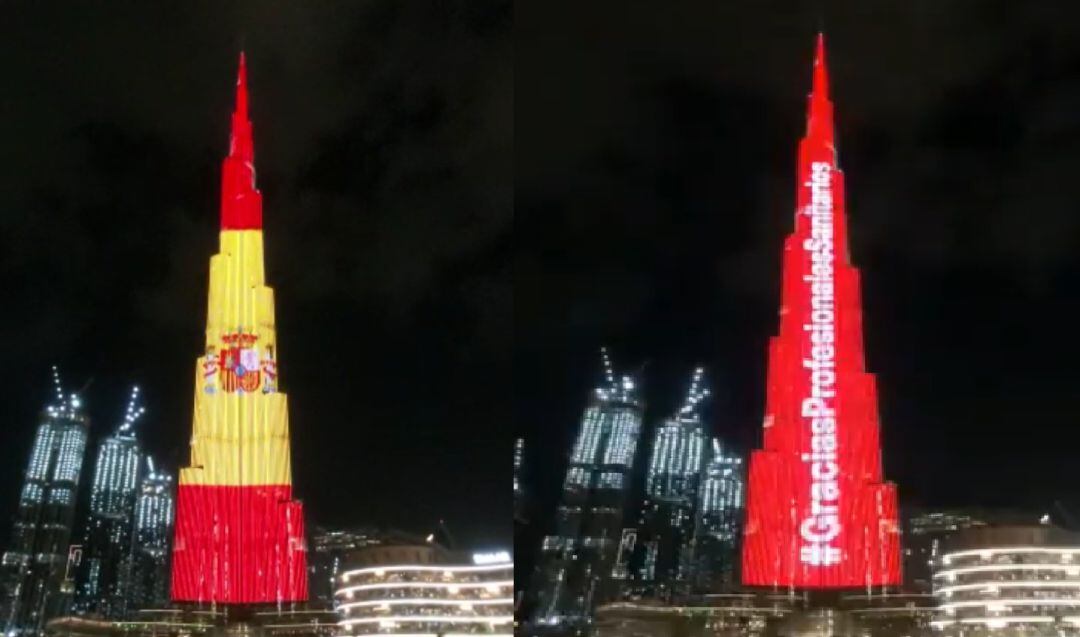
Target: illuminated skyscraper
(107, 538)
(820, 514)
(576, 563)
(675, 465)
(719, 526)
(34, 566)
(519, 488)
(663, 556)
(153, 530)
(239, 533)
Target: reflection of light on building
(409, 591)
(34, 566)
(1023, 578)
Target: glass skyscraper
(153, 529)
(106, 546)
(719, 524)
(577, 561)
(662, 560)
(33, 569)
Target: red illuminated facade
(239, 533)
(819, 513)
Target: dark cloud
(383, 138)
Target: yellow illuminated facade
(241, 429)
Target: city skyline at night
(658, 233)
(369, 318)
(671, 220)
(111, 212)
(389, 281)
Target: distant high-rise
(663, 557)
(327, 554)
(34, 566)
(107, 538)
(519, 488)
(576, 563)
(926, 530)
(719, 527)
(153, 529)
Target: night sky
(383, 140)
(655, 185)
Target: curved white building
(1016, 579)
(415, 597)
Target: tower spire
(821, 73)
(241, 202)
(62, 402)
(134, 411)
(609, 371)
(696, 393)
(819, 113)
(241, 90)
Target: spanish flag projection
(239, 533)
(819, 514)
